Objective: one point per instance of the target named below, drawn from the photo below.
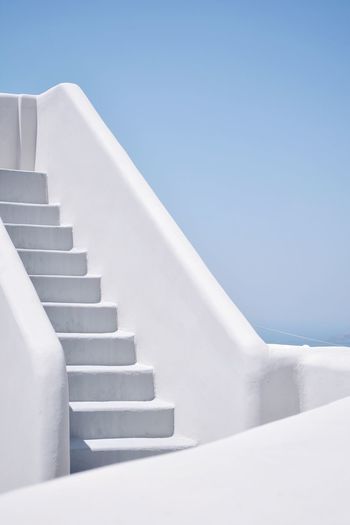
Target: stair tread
(111, 406)
(95, 445)
(23, 171)
(57, 276)
(112, 369)
(33, 223)
(101, 304)
(39, 226)
(29, 213)
(118, 334)
(43, 250)
(30, 204)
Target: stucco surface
(292, 472)
(207, 357)
(33, 384)
(208, 360)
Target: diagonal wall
(208, 359)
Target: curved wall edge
(34, 437)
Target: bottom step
(92, 453)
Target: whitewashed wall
(33, 384)
(208, 360)
(18, 119)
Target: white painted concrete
(280, 392)
(117, 348)
(82, 317)
(291, 472)
(324, 376)
(110, 383)
(304, 377)
(9, 136)
(21, 213)
(92, 453)
(33, 385)
(68, 288)
(103, 390)
(208, 359)
(18, 125)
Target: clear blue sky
(238, 115)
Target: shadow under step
(92, 453)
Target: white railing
(33, 383)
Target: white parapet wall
(208, 359)
(34, 434)
(300, 378)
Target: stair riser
(41, 238)
(111, 386)
(115, 424)
(88, 459)
(110, 351)
(46, 263)
(82, 319)
(23, 187)
(23, 214)
(68, 290)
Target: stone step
(68, 288)
(23, 186)
(110, 383)
(23, 213)
(40, 237)
(82, 317)
(93, 453)
(52, 262)
(116, 419)
(116, 348)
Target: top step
(23, 186)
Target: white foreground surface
(291, 472)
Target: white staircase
(114, 414)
